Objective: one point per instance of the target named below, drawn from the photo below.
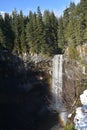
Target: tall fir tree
(65, 25)
(31, 33)
(83, 6)
(51, 24)
(61, 40)
(8, 33)
(22, 32)
(2, 36)
(71, 26)
(40, 40)
(15, 29)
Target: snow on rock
(83, 98)
(80, 118)
(70, 115)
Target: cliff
(25, 88)
(74, 76)
(24, 93)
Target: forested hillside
(44, 33)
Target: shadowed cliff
(24, 98)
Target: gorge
(43, 67)
(29, 87)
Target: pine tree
(15, 28)
(71, 26)
(65, 25)
(31, 32)
(83, 6)
(51, 24)
(2, 40)
(47, 24)
(61, 40)
(22, 32)
(40, 33)
(54, 26)
(8, 33)
(2, 36)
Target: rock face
(74, 81)
(80, 119)
(37, 62)
(71, 79)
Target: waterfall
(57, 81)
(57, 87)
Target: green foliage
(51, 25)
(2, 38)
(15, 31)
(8, 33)
(72, 52)
(61, 40)
(45, 33)
(69, 127)
(31, 32)
(22, 32)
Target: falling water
(57, 81)
(57, 87)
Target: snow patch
(80, 118)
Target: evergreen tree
(22, 32)
(44, 33)
(61, 40)
(31, 32)
(65, 25)
(72, 51)
(8, 34)
(2, 37)
(83, 6)
(54, 26)
(71, 26)
(40, 33)
(15, 29)
(51, 24)
(47, 24)
(78, 28)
